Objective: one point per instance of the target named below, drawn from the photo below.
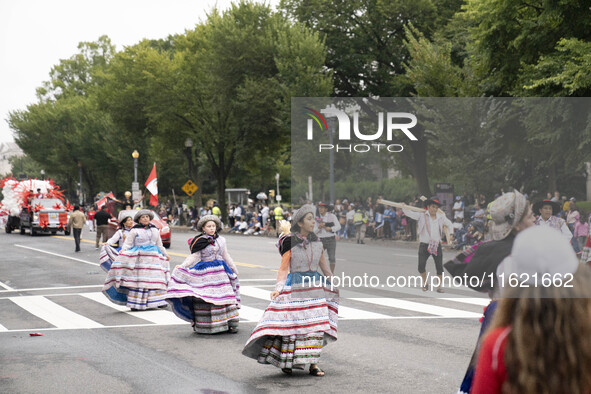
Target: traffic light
(271, 193)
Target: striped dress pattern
(204, 290)
(139, 275)
(301, 320)
(109, 252)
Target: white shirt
(460, 213)
(328, 218)
(563, 229)
(431, 230)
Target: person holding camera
(327, 225)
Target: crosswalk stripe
(158, 316)
(344, 312)
(420, 307)
(250, 314)
(53, 313)
(468, 300)
(2, 328)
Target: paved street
(390, 340)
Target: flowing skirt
(206, 294)
(107, 256)
(293, 331)
(138, 278)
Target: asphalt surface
(394, 340)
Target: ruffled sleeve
(283, 271)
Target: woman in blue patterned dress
(139, 276)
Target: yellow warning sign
(189, 187)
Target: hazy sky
(36, 34)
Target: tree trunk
(419, 165)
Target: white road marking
(420, 307)
(156, 316)
(50, 288)
(250, 314)
(56, 254)
(8, 288)
(53, 313)
(344, 312)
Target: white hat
(506, 211)
(540, 250)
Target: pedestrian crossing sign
(190, 188)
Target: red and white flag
(104, 200)
(152, 186)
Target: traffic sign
(189, 187)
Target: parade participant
(538, 341)
(204, 289)
(548, 209)
(90, 220)
(302, 317)
(327, 225)
(128, 201)
(430, 230)
(76, 223)
(510, 213)
(139, 275)
(110, 249)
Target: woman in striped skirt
(139, 275)
(204, 289)
(109, 252)
(302, 316)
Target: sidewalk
(368, 241)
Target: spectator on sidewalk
(581, 230)
(478, 218)
(458, 208)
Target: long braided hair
(548, 349)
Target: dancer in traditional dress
(204, 289)
(109, 251)
(510, 213)
(548, 209)
(302, 316)
(430, 230)
(139, 276)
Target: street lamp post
(80, 181)
(42, 174)
(331, 124)
(135, 187)
(277, 196)
(188, 146)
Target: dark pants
(102, 232)
(330, 245)
(424, 255)
(77, 233)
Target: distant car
(161, 225)
(45, 215)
